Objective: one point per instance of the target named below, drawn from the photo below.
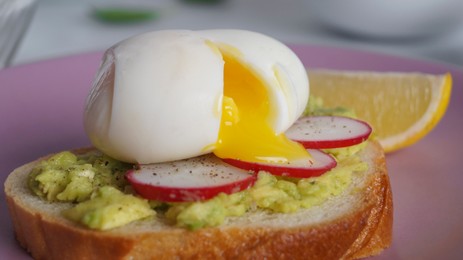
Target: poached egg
(176, 94)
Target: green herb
(124, 15)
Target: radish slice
(198, 178)
(321, 132)
(320, 163)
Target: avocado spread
(108, 208)
(73, 178)
(96, 183)
(94, 180)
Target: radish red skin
(182, 194)
(307, 133)
(281, 170)
(329, 144)
(192, 179)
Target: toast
(355, 224)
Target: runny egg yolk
(245, 133)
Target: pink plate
(41, 112)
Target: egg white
(157, 96)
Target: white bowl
(388, 18)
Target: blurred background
(424, 29)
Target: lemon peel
(401, 107)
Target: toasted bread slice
(355, 224)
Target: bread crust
(365, 231)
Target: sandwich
(206, 145)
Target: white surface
(64, 27)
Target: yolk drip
(245, 133)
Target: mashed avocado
(97, 183)
(211, 212)
(108, 208)
(71, 178)
(315, 107)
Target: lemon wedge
(401, 107)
